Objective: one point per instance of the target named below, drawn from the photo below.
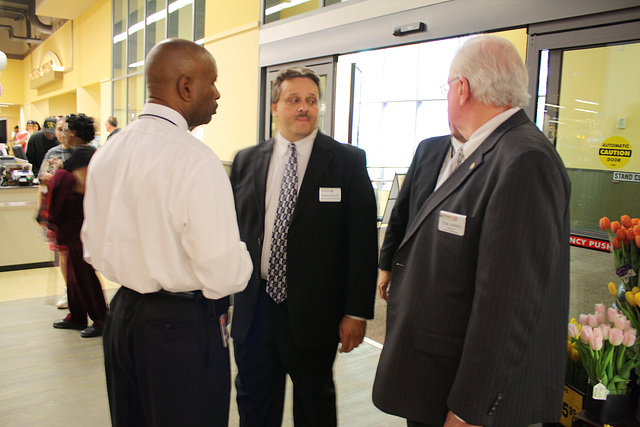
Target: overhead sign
(48, 72)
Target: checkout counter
(22, 244)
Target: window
(137, 26)
(275, 10)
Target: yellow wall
(235, 124)
(222, 16)
(232, 37)
(84, 49)
(12, 79)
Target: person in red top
(66, 215)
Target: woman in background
(66, 215)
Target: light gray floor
(51, 377)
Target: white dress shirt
(159, 211)
(279, 157)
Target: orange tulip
(638, 240)
(615, 226)
(621, 234)
(616, 243)
(635, 221)
(605, 223)
(629, 234)
(625, 220)
(636, 230)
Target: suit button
(256, 276)
(259, 240)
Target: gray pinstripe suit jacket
(477, 323)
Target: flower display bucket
(615, 409)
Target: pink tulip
(583, 320)
(605, 328)
(611, 314)
(593, 321)
(586, 334)
(621, 322)
(600, 317)
(573, 330)
(600, 308)
(615, 336)
(628, 339)
(596, 342)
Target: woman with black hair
(66, 215)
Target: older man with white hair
(478, 248)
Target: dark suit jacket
(331, 247)
(478, 323)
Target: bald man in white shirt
(160, 220)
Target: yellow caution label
(615, 152)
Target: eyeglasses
(445, 87)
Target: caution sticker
(615, 152)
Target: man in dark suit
(478, 246)
(305, 205)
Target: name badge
(330, 194)
(452, 223)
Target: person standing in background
(307, 211)
(165, 229)
(54, 160)
(479, 289)
(41, 142)
(112, 126)
(66, 215)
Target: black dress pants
(165, 361)
(265, 358)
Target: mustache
(302, 116)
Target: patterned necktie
(277, 275)
(460, 158)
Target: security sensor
(404, 30)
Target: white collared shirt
(159, 211)
(279, 157)
(475, 140)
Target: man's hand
(453, 421)
(384, 279)
(351, 333)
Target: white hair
(496, 74)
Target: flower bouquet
(625, 243)
(604, 343)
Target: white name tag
(330, 194)
(452, 223)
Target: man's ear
(185, 87)
(464, 91)
(274, 110)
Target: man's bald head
(181, 75)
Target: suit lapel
(261, 167)
(428, 172)
(318, 161)
(461, 174)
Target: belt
(216, 307)
(186, 295)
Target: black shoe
(90, 332)
(63, 324)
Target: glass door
(325, 68)
(588, 105)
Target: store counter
(22, 244)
